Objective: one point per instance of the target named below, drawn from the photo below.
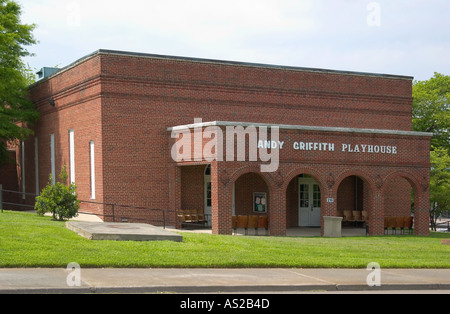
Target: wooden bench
(400, 222)
(192, 218)
(250, 222)
(354, 217)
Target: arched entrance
(354, 201)
(304, 202)
(411, 200)
(207, 195)
(251, 203)
(251, 195)
(398, 197)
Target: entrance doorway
(207, 196)
(309, 214)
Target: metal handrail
(113, 208)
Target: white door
(309, 203)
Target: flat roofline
(300, 128)
(223, 62)
(248, 64)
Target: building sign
(371, 149)
(327, 147)
(332, 147)
(213, 143)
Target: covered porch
(312, 179)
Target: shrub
(59, 199)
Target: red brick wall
(243, 93)
(292, 196)
(351, 194)
(246, 185)
(8, 174)
(76, 93)
(193, 187)
(9, 180)
(398, 197)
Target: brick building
(344, 140)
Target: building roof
(224, 62)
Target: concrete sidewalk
(23, 281)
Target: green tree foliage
(59, 199)
(431, 113)
(440, 183)
(16, 110)
(431, 109)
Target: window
(22, 156)
(304, 195)
(208, 194)
(208, 170)
(92, 162)
(72, 155)
(52, 157)
(316, 196)
(208, 186)
(36, 164)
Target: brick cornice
(205, 86)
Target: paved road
(218, 280)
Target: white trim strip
(300, 128)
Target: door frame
(312, 221)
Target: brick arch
(293, 173)
(292, 200)
(372, 208)
(421, 198)
(405, 175)
(359, 173)
(251, 169)
(400, 205)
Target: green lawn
(27, 240)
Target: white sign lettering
(331, 147)
(270, 144)
(371, 149)
(314, 146)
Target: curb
(228, 289)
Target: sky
(401, 37)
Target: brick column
(277, 211)
(328, 209)
(376, 213)
(222, 201)
(175, 192)
(422, 215)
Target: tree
(16, 109)
(439, 184)
(59, 199)
(431, 109)
(431, 113)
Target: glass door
(304, 205)
(309, 203)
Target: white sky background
(404, 37)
